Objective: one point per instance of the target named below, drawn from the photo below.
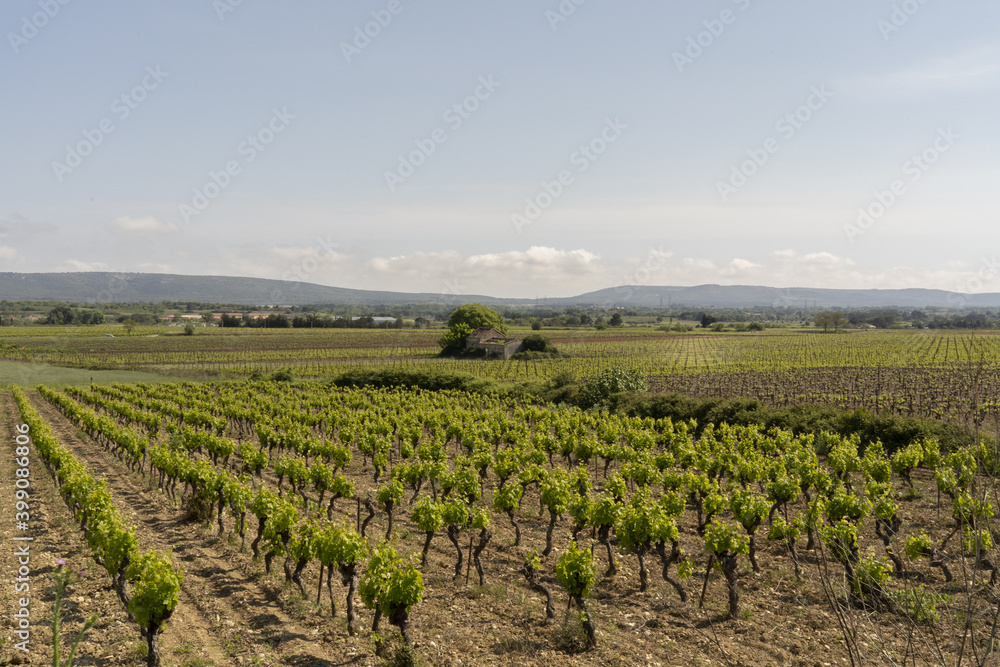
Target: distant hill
(742, 296)
(103, 287)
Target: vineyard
(310, 522)
(941, 375)
(322, 352)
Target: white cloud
(743, 265)
(77, 265)
(971, 69)
(144, 225)
(528, 268)
(537, 259)
(8, 254)
(825, 259)
(545, 270)
(568, 272)
(151, 267)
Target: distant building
(494, 342)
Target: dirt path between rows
(113, 641)
(223, 609)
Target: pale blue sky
(315, 203)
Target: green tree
(454, 340)
(831, 319)
(477, 316)
(62, 315)
(466, 319)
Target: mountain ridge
(108, 287)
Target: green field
(938, 374)
(29, 374)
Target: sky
(514, 148)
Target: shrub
(537, 343)
(894, 432)
(283, 375)
(599, 388)
(429, 380)
(454, 341)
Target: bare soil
(113, 640)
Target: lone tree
(835, 319)
(466, 319)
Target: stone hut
(494, 342)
